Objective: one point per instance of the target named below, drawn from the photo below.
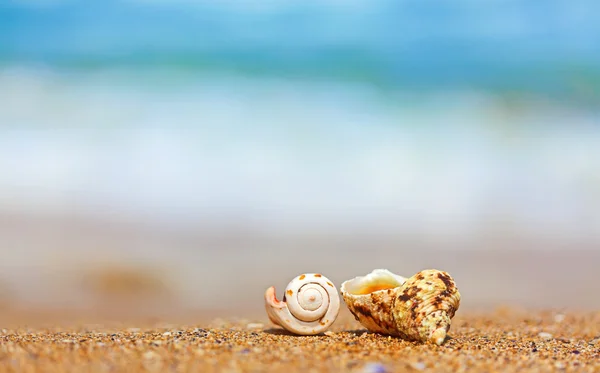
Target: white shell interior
(379, 279)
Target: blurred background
(171, 156)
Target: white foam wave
(286, 155)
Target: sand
(120, 301)
(503, 340)
(77, 261)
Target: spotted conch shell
(419, 308)
(310, 305)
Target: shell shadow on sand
(283, 332)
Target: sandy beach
(505, 340)
(194, 302)
(163, 163)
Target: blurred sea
(444, 121)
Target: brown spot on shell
(412, 291)
(381, 306)
(330, 284)
(290, 292)
(361, 309)
(318, 275)
(302, 277)
(404, 297)
(446, 280)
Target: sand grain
(501, 341)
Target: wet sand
(501, 341)
(79, 262)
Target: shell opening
(379, 279)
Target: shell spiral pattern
(310, 305)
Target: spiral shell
(419, 308)
(310, 305)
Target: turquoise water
(403, 116)
(547, 47)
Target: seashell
(310, 305)
(419, 308)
